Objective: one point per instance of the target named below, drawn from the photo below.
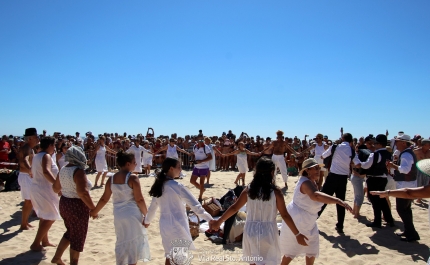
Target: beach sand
(358, 246)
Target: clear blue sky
(180, 66)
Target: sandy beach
(359, 245)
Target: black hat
(369, 138)
(381, 139)
(30, 132)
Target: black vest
(411, 175)
(378, 169)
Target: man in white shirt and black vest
(338, 177)
(405, 175)
(377, 172)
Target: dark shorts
(200, 172)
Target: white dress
(242, 162)
(304, 213)
(131, 237)
(62, 161)
(137, 151)
(147, 157)
(212, 164)
(101, 164)
(171, 151)
(173, 217)
(260, 236)
(45, 201)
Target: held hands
(345, 205)
(214, 225)
(93, 214)
(382, 194)
(143, 223)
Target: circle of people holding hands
(54, 183)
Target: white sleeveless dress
(147, 157)
(304, 213)
(242, 162)
(260, 236)
(212, 164)
(62, 161)
(131, 237)
(137, 151)
(45, 201)
(172, 152)
(101, 164)
(319, 150)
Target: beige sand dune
(358, 246)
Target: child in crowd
(242, 161)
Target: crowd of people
(58, 164)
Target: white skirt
(45, 202)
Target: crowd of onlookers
(226, 143)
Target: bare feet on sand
(37, 248)
(48, 244)
(57, 261)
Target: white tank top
(319, 150)
(171, 151)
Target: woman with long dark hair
(129, 209)
(171, 197)
(263, 201)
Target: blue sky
(180, 66)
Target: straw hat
(308, 163)
(404, 138)
(424, 166)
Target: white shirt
(341, 158)
(200, 155)
(406, 162)
(369, 162)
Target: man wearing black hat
(405, 175)
(25, 156)
(377, 173)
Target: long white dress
(45, 201)
(304, 213)
(101, 164)
(147, 157)
(131, 237)
(260, 237)
(137, 151)
(173, 217)
(242, 162)
(212, 164)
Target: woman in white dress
(61, 156)
(212, 163)
(307, 202)
(172, 151)
(263, 201)
(45, 201)
(242, 161)
(147, 156)
(171, 197)
(100, 159)
(129, 210)
(137, 150)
